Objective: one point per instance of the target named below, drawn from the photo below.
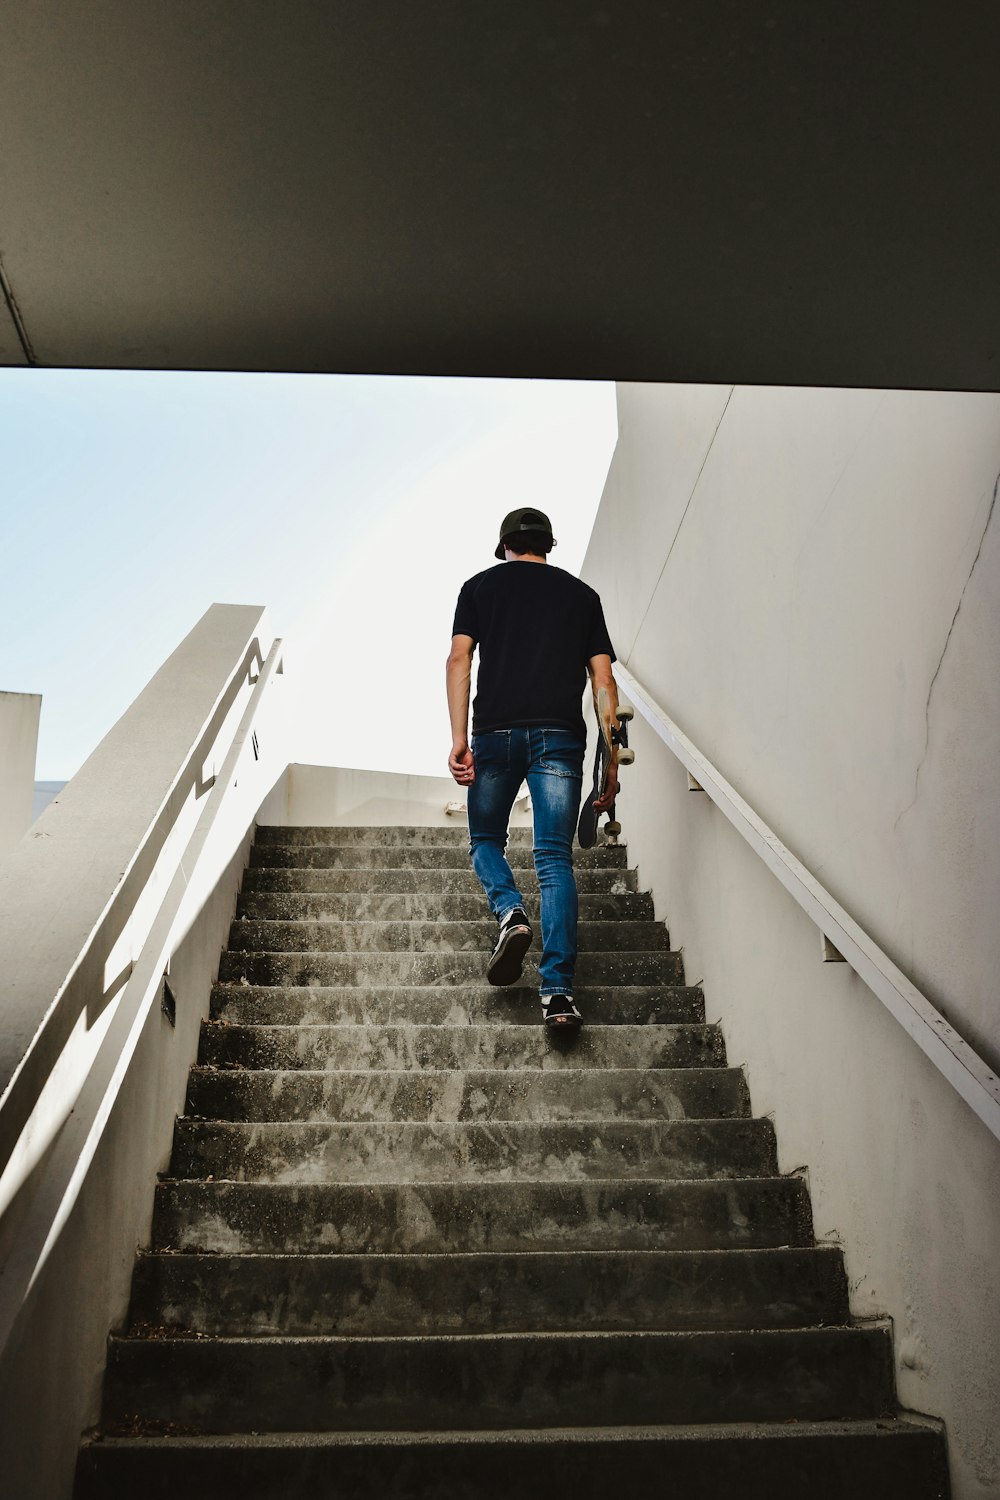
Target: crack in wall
(944, 651)
(708, 452)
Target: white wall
(19, 713)
(76, 1194)
(321, 795)
(809, 583)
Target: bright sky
(354, 507)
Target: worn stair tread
(397, 835)
(520, 1290)
(428, 906)
(888, 1458)
(527, 1379)
(467, 1094)
(884, 1458)
(450, 1004)
(871, 1335)
(483, 1152)
(897, 1424)
(406, 1217)
(399, 1212)
(456, 1047)
(261, 935)
(589, 879)
(347, 856)
(658, 966)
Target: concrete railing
(964, 1069)
(113, 910)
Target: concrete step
(454, 1005)
(460, 1048)
(381, 968)
(427, 937)
(289, 1152)
(527, 1380)
(391, 835)
(232, 1218)
(590, 880)
(427, 906)
(348, 856)
(884, 1459)
(545, 1291)
(412, 1231)
(479, 1095)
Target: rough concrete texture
(427, 1218)
(435, 967)
(398, 1206)
(399, 881)
(424, 937)
(374, 836)
(414, 907)
(870, 1460)
(463, 1005)
(486, 1380)
(473, 1094)
(449, 1151)
(383, 856)
(437, 1047)
(403, 1294)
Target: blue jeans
(551, 761)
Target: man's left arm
(459, 677)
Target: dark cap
(525, 519)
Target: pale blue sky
(132, 501)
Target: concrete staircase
(411, 1246)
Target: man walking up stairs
(406, 1247)
(540, 632)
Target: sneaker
(559, 1013)
(512, 944)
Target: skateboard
(609, 739)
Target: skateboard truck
(609, 739)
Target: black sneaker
(512, 944)
(559, 1013)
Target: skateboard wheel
(626, 757)
(625, 713)
(612, 830)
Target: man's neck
(526, 557)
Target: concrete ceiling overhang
(794, 192)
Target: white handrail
(964, 1069)
(71, 1156)
(98, 852)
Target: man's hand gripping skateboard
(611, 752)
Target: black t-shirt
(536, 627)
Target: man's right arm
(601, 676)
(459, 675)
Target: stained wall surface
(808, 581)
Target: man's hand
(602, 678)
(459, 673)
(603, 804)
(460, 763)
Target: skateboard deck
(609, 740)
